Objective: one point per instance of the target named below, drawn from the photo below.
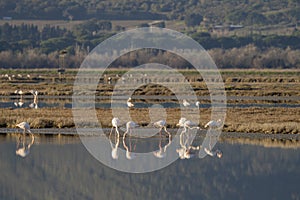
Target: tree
(193, 19)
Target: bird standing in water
(24, 126)
(213, 124)
(129, 103)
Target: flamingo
(183, 122)
(35, 98)
(19, 92)
(129, 126)
(115, 124)
(25, 126)
(129, 103)
(197, 104)
(161, 124)
(213, 124)
(185, 103)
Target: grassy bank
(251, 120)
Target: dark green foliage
(193, 19)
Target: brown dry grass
(262, 120)
(271, 83)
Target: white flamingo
(197, 104)
(161, 124)
(129, 103)
(185, 103)
(115, 124)
(24, 126)
(183, 122)
(213, 124)
(130, 126)
(19, 92)
(35, 99)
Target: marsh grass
(270, 83)
(252, 120)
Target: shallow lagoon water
(147, 101)
(61, 168)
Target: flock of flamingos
(185, 151)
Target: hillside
(263, 33)
(244, 12)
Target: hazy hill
(217, 11)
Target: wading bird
(19, 92)
(130, 126)
(185, 103)
(213, 124)
(129, 103)
(183, 122)
(35, 99)
(197, 104)
(161, 124)
(25, 126)
(115, 124)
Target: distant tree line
(26, 46)
(247, 12)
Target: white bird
(115, 124)
(197, 104)
(34, 92)
(213, 124)
(19, 92)
(25, 126)
(162, 124)
(129, 126)
(129, 103)
(183, 122)
(35, 99)
(185, 103)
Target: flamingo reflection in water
(129, 127)
(162, 152)
(209, 150)
(20, 102)
(22, 149)
(186, 150)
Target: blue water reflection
(61, 168)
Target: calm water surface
(61, 168)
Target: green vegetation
(32, 46)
